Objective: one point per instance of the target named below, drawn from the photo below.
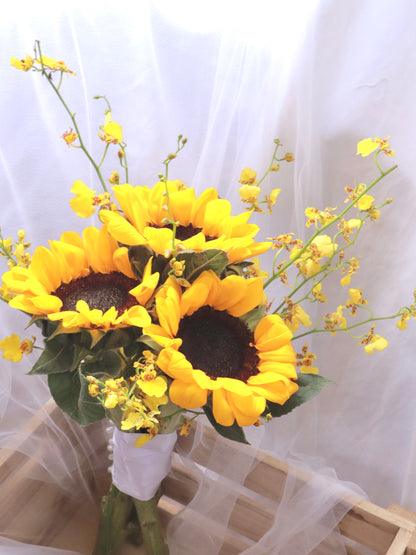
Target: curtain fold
(232, 77)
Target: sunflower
(204, 222)
(208, 348)
(86, 282)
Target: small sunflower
(86, 282)
(204, 222)
(207, 348)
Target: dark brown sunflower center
(219, 344)
(99, 291)
(184, 232)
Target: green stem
(150, 525)
(104, 155)
(347, 328)
(112, 531)
(270, 165)
(324, 227)
(71, 115)
(326, 270)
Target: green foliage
(172, 416)
(234, 432)
(59, 355)
(252, 318)
(70, 391)
(238, 268)
(309, 386)
(105, 364)
(197, 262)
(139, 256)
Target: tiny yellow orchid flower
(11, 348)
(366, 147)
(249, 193)
(377, 343)
(316, 292)
(112, 131)
(24, 65)
(86, 200)
(248, 177)
(365, 202)
(271, 198)
(54, 65)
(69, 137)
(115, 178)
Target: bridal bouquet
(159, 314)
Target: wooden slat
(388, 532)
(409, 515)
(400, 542)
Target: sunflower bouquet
(158, 314)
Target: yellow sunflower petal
(271, 333)
(242, 253)
(122, 230)
(122, 262)
(252, 298)
(133, 202)
(198, 210)
(221, 408)
(215, 212)
(159, 239)
(273, 387)
(175, 365)
(227, 292)
(137, 316)
(287, 369)
(247, 410)
(167, 308)
(47, 303)
(187, 395)
(194, 297)
(72, 238)
(285, 353)
(181, 203)
(99, 247)
(161, 336)
(44, 268)
(145, 290)
(195, 243)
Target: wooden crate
(69, 525)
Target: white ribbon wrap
(138, 471)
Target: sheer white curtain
(232, 76)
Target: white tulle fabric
(139, 471)
(232, 76)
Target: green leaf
(117, 338)
(252, 318)
(309, 386)
(238, 268)
(108, 364)
(172, 417)
(46, 326)
(197, 262)
(139, 256)
(70, 391)
(234, 432)
(59, 355)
